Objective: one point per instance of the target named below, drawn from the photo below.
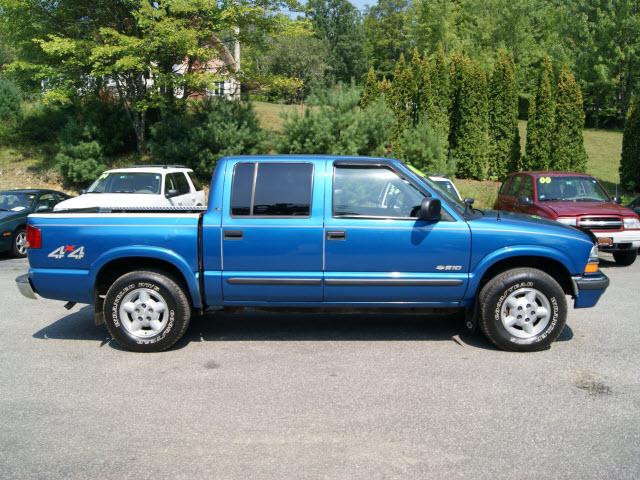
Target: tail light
(34, 237)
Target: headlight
(631, 223)
(572, 221)
(593, 254)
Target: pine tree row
(474, 118)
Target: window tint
(527, 187)
(373, 192)
(169, 184)
(181, 183)
(515, 185)
(241, 189)
(283, 189)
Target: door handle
(336, 235)
(233, 234)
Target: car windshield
(16, 201)
(127, 182)
(570, 189)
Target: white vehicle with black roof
(140, 186)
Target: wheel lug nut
(519, 317)
(519, 308)
(528, 305)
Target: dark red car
(578, 200)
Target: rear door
(272, 232)
(378, 252)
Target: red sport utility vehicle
(578, 200)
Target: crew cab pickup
(316, 232)
(578, 200)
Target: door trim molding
(398, 282)
(273, 281)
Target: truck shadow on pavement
(290, 327)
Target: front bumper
(24, 285)
(588, 289)
(623, 239)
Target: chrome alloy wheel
(143, 312)
(21, 243)
(526, 313)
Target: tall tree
(439, 104)
(402, 95)
(339, 23)
(630, 161)
(81, 47)
(469, 137)
(503, 118)
(385, 26)
(603, 38)
(568, 151)
(370, 90)
(541, 124)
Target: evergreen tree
(370, 91)
(541, 124)
(419, 86)
(630, 161)
(568, 149)
(503, 118)
(402, 95)
(470, 135)
(437, 110)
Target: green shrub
(80, 163)
(10, 108)
(41, 123)
(423, 148)
(208, 130)
(335, 124)
(630, 161)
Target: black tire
(495, 294)
(625, 257)
(174, 319)
(18, 235)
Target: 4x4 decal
(69, 251)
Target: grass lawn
(270, 114)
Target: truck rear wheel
(146, 311)
(522, 310)
(625, 257)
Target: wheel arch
(109, 269)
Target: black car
(15, 205)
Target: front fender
(512, 252)
(156, 253)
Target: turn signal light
(592, 267)
(34, 237)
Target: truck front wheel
(522, 310)
(146, 311)
(625, 257)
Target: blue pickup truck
(316, 232)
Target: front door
(272, 232)
(378, 252)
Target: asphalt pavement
(294, 396)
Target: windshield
(447, 186)
(571, 189)
(127, 182)
(16, 201)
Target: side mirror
(171, 193)
(617, 200)
(525, 201)
(430, 209)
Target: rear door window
(515, 186)
(272, 189)
(182, 183)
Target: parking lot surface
(293, 396)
